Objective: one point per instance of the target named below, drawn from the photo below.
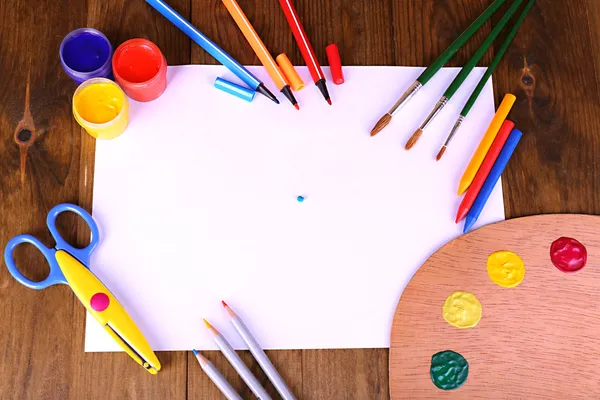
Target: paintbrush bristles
(382, 123)
(413, 139)
(440, 153)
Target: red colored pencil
(305, 48)
(484, 170)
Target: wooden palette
(539, 340)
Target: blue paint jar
(86, 53)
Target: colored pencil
(436, 66)
(216, 377)
(259, 355)
(260, 50)
(305, 47)
(463, 74)
(492, 179)
(218, 53)
(237, 363)
(484, 79)
(484, 170)
(486, 142)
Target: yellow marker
(486, 143)
(290, 72)
(505, 268)
(462, 310)
(101, 108)
(260, 49)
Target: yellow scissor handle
(105, 308)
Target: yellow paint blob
(505, 268)
(101, 108)
(462, 310)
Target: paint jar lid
(86, 62)
(290, 72)
(335, 64)
(234, 89)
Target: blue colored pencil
(492, 179)
(212, 49)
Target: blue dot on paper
(300, 199)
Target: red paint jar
(140, 68)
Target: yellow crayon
(486, 143)
(260, 49)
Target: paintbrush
(463, 74)
(484, 78)
(436, 65)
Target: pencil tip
(208, 325)
(195, 352)
(382, 123)
(413, 139)
(224, 304)
(328, 101)
(440, 153)
(297, 106)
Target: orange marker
(260, 50)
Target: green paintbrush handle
(458, 43)
(466, 70)
(496, 60)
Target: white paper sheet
(196, 203)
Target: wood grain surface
(553, 67)
(538, 340)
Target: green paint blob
(449, 370)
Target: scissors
(70, 266)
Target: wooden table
(553, 67)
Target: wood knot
(24, 136)
(528, 80)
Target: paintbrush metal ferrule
(436, 110)
(455, 129)
(417, 135)
(408, 94)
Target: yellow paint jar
(101, 108)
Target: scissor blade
(148, 366)
(106, 309)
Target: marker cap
(335, 64)
(234, 89)
(290, 72)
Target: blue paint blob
(86, 52)
(300, 199)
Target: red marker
(484, 170)
(305, 48)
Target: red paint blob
(568, 255)
(99, 301)
(140, 69)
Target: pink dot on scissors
(100, 301)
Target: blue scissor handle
(83, 255)
(55, 276)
